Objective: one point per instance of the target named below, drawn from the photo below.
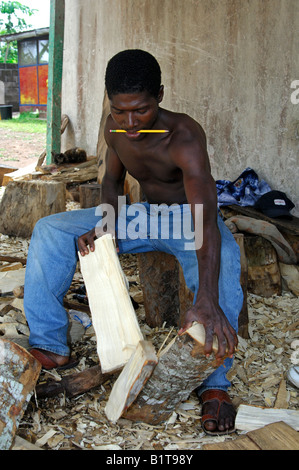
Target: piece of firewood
(73, 384)
(250, 418)
(182, 366)
(131, 380)
(113, 316)
(19, 372)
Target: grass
(25, 122)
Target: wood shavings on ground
(258, 378)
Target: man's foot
(218, 412)
(50, 360)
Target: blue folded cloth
(244, 191)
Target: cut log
(25, 202)
(182, 367)
(19, 372)
(131, 380)
(250, 418)
(159, 277)
(113, 316)
(73, 384)
(263, 270)
(90, 195)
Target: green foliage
(11, 22)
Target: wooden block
(25, 202)
(159, 277)
(19, 372)
(131, 380)
(113, 316)
(263, 269)
(90, 195)
(181, 368)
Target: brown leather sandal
(221, 397)
(48, 361)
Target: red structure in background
(33, 73)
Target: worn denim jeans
(53, 257)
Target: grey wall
(10, 85)
(227, 63)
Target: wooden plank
(275, 436)
(113, 316)
(241, 443)
(131, 380)
(56, 39)
(250, 418)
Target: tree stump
(90, 195)
(25, 202)
(263, 269)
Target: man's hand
(207, 312)
(87, 239)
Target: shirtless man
(172, 168)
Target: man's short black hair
(133, 71)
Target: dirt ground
(19, 149)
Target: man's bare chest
(149, 164)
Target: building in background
(33, 58)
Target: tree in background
(12, 21)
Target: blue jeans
(53, 257)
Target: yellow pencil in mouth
(149, 131)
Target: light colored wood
(131, 380)
(250, 418)
(113, 316)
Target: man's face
(133, 112)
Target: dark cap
(275, 204)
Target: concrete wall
(227, 63)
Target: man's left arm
(200, 188)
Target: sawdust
(258, 378)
